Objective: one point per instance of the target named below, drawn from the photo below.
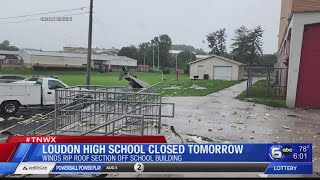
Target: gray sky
(123, 22)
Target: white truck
(42, 93)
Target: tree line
(247, 46)
(5, 45)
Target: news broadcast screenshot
(160, 89)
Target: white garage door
(222, 73)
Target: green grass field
(111, 79)
(258, 92)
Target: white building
(176, 52)
(63, 59)
(216, 68)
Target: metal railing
(107, 110)
(99, 110)
(275, 80)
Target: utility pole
(152, 56)
(158, 55)
(89, 45)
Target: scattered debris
(292, 115)
(254, 116)
(268, 133)
(267, 115)
(189, 115)
(286, 127)
(220, 129)
(8, 133)
(83, 123)
(175, 133)
(253, 132)
(195, 86)
(195, 139)
(276, 116)
(12, 119)
(251, 137)
(249, 99)
(189, 121)
(233, 126)
(235, 112)
(210, 130)
(164, 124)
(240, 122)
(1, 119)
(207, 139)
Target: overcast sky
(123, 22)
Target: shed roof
(78, 55)
(5, 52)
(223, 58)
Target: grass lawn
(111, 79)
(258, 92)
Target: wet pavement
(220, 118)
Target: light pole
(152, 56)
(89, 45)
(177, 72)
(159, 55)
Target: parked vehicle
(8, 78)
(14, 95)
(33, 79)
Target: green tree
(5, 45)
(143, 50)
(184, 58)
(217, 42)
(130, 51)
(164, 42)
(268, 60)
(247, 46)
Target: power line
(13, 22)
(50, 12)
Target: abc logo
(277, 152)
(287, 150)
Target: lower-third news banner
(159, 158)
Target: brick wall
(294, 6)
(305, 5)
(286, 6)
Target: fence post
(268, 80)
(159, 125)
(142, 125)
(55, 112)
(248, 79)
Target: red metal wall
(308, 90)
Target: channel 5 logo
(277, 152)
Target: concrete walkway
(220, 118)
